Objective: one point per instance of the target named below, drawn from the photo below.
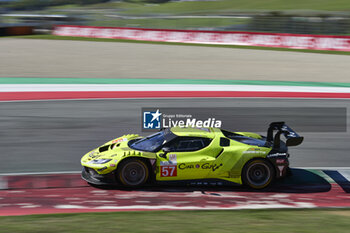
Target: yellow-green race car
(192, 156)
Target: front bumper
(91, 176)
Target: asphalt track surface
(83, 59)
(51, 136)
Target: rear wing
(292, 138)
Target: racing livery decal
(168, 171)
(192, 155)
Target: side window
(190, 145)
(224, 142)
(182, 144)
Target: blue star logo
(152, 120)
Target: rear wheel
(133, 172)
(258, 174)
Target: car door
(187, 158)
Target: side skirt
(198, 182)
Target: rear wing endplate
(292, 138)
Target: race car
(192, 156)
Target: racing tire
(258, 174)
(133, 172)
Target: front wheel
(258, 174)
(133, 172)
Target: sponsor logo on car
(213, 167)
(173, 158)
(277, 155)
(255, 151)
(119, 140)
(280, 161)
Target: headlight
(100, 161)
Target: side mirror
(166, 150)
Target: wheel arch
(258, 158)
(146, 160)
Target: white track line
(170, 98)
(39, 173)
(324, 168)
(163, 87)
(170, 207)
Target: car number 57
(168, 171)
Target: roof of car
(193, 132)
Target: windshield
(151, 143)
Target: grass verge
(227, 6)
(312, 220)
(53, 37)
(139, 7)
(175, 23)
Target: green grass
(221, 6)
(184, 221)
(168, 23)
(53, 37)
(214, 7)
(225, 6)
(102, 14)
(140, 7)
